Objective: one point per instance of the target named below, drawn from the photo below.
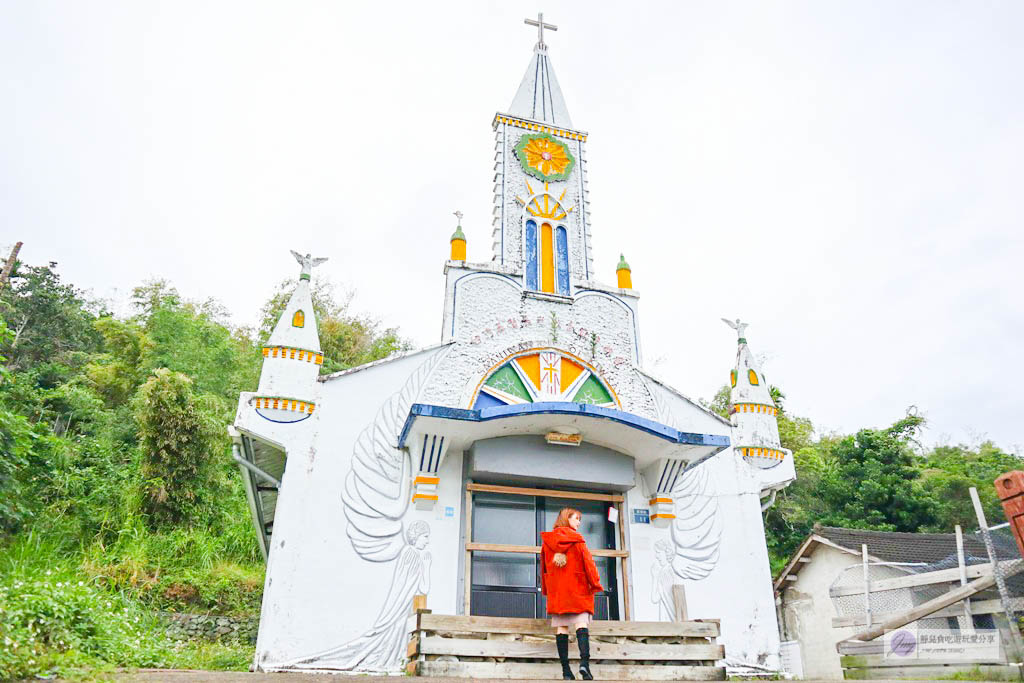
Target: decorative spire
(755, 428)
(539, 98)
(458, 240)
(624, 273)
(296, 327)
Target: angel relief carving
(695, 536)
(376, 498)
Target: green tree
(52, 322)
(347, 340)
(948, 473)
(179, 441)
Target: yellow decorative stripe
(281, 403)
(423, 496)
(655, 501)
(754, 408)
(541, 128)
(663, 516)
(773, 453)
(426, 480)
(297, 354)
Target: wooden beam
(624, 561)
(911, 580)
(467, 574)
(926, 608)
(519, 491)
(977, 607)
(535, 549)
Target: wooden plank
(468, 647)
(977, 607)
(624, 565)
(881, 661)
(926, 608)
(537, 671)
(518, 491)
(542, 627)
(941, 576)
(467, 574)
(855, 647)
(535, 549)
(987, 672)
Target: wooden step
(496, 647)
(552, 671)
(436, 645)
(707, 628)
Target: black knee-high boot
(562, 643)
(583, 641)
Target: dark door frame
(622, 554)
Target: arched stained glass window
(531, 255)
(548, 375)
(752, 376)
(562, 260)
(299, 319)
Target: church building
(432, 472)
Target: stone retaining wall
(183, 626)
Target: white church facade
(432, 472)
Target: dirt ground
(176, 676)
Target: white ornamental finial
(539, 23)
(740, 328)
(458, 215)
(308, 263)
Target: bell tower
(541, 215)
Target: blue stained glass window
(562, 260)
(531, 255)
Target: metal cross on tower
(539, 23)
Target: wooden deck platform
(495, 647)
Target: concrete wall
(528, 460)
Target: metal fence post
(867, 583)
(998, 572)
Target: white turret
(755, 428)
(292, 356)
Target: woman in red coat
(569, 579)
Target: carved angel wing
(376, 492)
(298, 257)
(729, 323)
(318, 261)
(697, 529)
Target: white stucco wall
(807, 610)
(319, 593)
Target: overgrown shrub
(178, 440)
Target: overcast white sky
(844, 175)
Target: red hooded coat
(569, 589)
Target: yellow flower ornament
(544, 157)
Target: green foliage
(719, 404)
(177, 442)
(347, 340)
(56, 619)
(51, 321)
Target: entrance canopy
(645, 440)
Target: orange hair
(564, 514)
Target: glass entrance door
(507, 584)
